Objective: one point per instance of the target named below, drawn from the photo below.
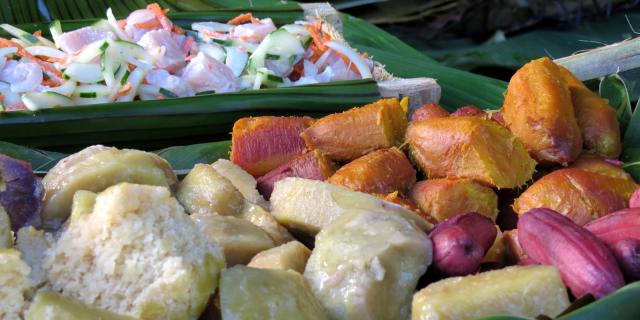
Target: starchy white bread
(6, 236)
(136, 253)
(33, 245)
(14, 283)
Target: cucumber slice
(84, 72)
(55, 28)
(91, 51)
(236, 60)
(223, 42)
(248, 47)
(211, 26)
(86, 101)
(103, 24)
(46, 51)
(67, 88)
(296, 29)
(114, 25)
(279, 42)
(149, 90)
(214, 51)
(136, 77)
(44, 100)
(269, 78)
(133, 53)
(92, 91)
(203, 93)
(20, 34)
(270, 56)
(167, 93)
(125, 77)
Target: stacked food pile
(326, 219)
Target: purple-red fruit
(21, 192)
(584, 261)
(460, 243)
(627, 252)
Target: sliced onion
(353, 56)
(114, 24)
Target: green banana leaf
(621, 305)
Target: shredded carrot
(38, 33)
(52, 59)
(122, 23)
(124, 91)
(188, 44)
(365, 55)
(161, 15)
(213, 34)
(190, 57)
(348, 62)
(148, 24)
(1, 96)
(245, 17)
(24, 53)
(315, 33)
(177, 30)
(50, 83)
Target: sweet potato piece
(593, 163)
(596, 119)
(261, 144)
(469, 111)
(428, 111)
(381, 171)
(448, 197)
(538, 109)
(358, 131)
(470, 147)
(21, 192)
(311, 165)
(578, 194)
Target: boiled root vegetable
(381, 171)
(21, 192)
(366, 265)
(495, 256)
(469, 111)
(634, 201)
(6, 235)
(204, 190)
(353, 133)
(525, 291)
(461, 243)
(445, 198)
(597, 164)
(620, 231)
(578, 194)
(428, 111)
(309, 205)
(395, 197)
(14, 284)
(514, 252)
(289, 256)
(266, 221)
(261, 144)
(96, 168)
(538, 110)
(470, 147)
(53, 305)
(310, 165)
(596, 118)
(242, 180)
(584, 261)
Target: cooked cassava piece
(447, 197)
(596, 118)
(49, 305)
(261, 144)
(525, 291)
(204, 190)
(578, 194)
(538, 110)
(310, 165)
(381, 171)
(469, 147)
(136, 253)
(250, 293)
(240, 239)
(289, 256)
(95, 169)
(365, 265)
(33, 245)
(14, 283)
(266, 221)
(358, 131)
(242, 180)
(310, 205)
(6, 236)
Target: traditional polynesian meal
(363, 214)
(146, 57)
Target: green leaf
(615, 90)
(631, 159)
(631, 137)
(40, 160)
(503, 318)
(183, 158)
(620, 305)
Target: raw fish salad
(147, 57)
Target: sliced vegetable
(84, 72)
(354, 57)
(91, 51)
(46, 51)
(67, 88)
(92, 91)
(19, 33)
(236, 60)
(55, 28)
(214, 51)
(114, 24)
(103, 24)
(211, 26)
(44, 100)
(167, 93)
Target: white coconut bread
(135, 253)
(14, 284)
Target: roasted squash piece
(538, 110)
(358, 131)
(261, 144)
(448, 197)
(381, 171)
(311, 165)
(578, 194)
(470, 147)
(596, 118)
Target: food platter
(355, 199)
